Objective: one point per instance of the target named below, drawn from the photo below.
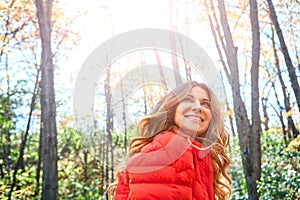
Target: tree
(284, 50)
(20, 161)
(249, 133)
(48, 118)
(286, 99)
(109, 129)
(16, 16)
(256, 123)
(173, 46)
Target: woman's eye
(206, 104)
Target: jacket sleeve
(162, 170)
(122, 190)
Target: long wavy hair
(216, 138)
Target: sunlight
(99, 20)
(134, 14)
(106, 19)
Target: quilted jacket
(170, 167)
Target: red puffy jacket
(170, 167)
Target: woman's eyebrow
(190, 95)
(205, 99)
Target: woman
(180, 153)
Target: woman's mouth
(194, 117)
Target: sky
(105, 19)
(110, 18)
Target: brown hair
(216, 137)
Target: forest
(76, 77)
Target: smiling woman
(180, 153)
(193, 114)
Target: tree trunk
(249, 149)
(284, 132)
(286, 99)
(287, 58)
(254, 135)
(7, 116)
(173, 46)
(39, 165)
(215, 36)
(143, 74)
(279, 113)
(161, 73)
(48, 118)
(187, 66)
(266, 117)
(102, 167)
(109, 127)
(20, 162)
(124, 118)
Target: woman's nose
(196, 106)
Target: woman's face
(193, 113)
